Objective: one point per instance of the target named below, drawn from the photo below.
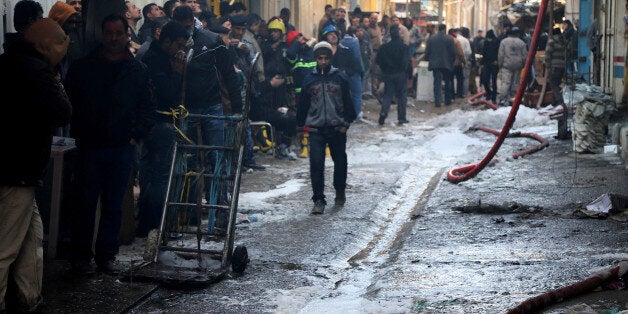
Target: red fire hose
(467, 172)
(601, 278)
(544, 142)
(474, 101)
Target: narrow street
(407, 241)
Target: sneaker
(286, 153)
(404, 121)
(340, 198)
(319, 207)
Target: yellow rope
(178, 113)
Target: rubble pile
(593, 109)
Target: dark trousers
(441, 75)
(155, 163)
(249, 157)
(489, 81)
(459, 76)
(556, 77)
(337, 142)
(473, 73)
(100, 172)
(397, 85)
(285, 125)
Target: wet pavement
(407, 241)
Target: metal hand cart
(194, 245)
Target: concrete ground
(450, 247)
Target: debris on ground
(606, 205)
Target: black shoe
(381, 120)
(340, 198)
(108, 267)
(254, 166)
(83, 267)
(437, 105)
(319, 207)
(404, 121)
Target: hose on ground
(467, 172)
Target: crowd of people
(119, 99)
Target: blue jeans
(155, 161)
(441, 75)
(212, 130)
(213, 134)
(337, 142)
(100, 172)
(249, 157)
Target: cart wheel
(150, 250)
(239, 259)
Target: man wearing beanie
(30, 63)
(326, 110)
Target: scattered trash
(245, 219)
(608, 205)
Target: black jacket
(165, 82)
(210, 62)
(28, 117)
(112, 100)
(393, 57)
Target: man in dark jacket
(326, 109)
(393, 58)
(489, 65)
(571, 38)
(210, 65)
(555, 56)
(165, 62)
(25, 13)
(274, 106)
(441, 54)
(113, 111)
(30, 118)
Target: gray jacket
(512, 53)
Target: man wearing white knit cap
(326, 110)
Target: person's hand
(133, 141)
(283, 110)
(178, 62)
(276, 81)
(244, 48)
(342, 129)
